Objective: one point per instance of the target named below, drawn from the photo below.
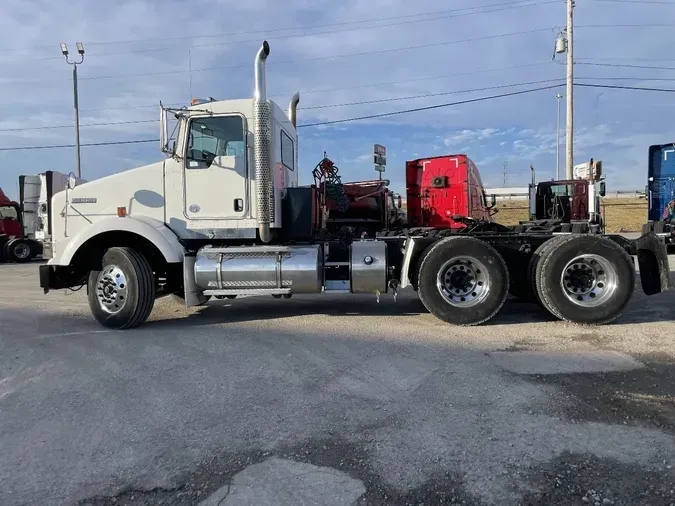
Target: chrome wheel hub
(111, 289)
(463, 281)
(589, 280)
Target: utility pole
(506, 173)
(80, 51)
(558, 96)
(569, 131)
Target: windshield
(8, 213)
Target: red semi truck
(13, 245)
(442, 189)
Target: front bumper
(57, 277)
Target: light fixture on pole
(80, 51)
(558, 96)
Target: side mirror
(602, 189)
(72, 181)
(208, 158)
(493, 200)
(399, 202)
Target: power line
(512, 4)
(429, 95)
(427, 108)
(114, 143)
(618, 87)
(344, 120)
(634, 3)
(380, 115)
(313, 58)
(330, 32)
(359, 86)
(326, 106)
(624, 65)
(633, 78)
(50, 127)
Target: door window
(215, 136)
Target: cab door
(216, 172)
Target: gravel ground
(381, 394)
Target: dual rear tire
(581, 279)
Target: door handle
(238, 205)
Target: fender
(151, 229)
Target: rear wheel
(122, 293)
(532, 266)
(463, 281)
(586, 280)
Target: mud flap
(193, 294)
(652, 256)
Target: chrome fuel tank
(260, 267)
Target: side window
(287, 155)
(215, 136)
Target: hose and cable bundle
(328, 173)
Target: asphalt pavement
(331, 400)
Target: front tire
(21, 250)
(585, 280)
(463, 281)
(122, 294)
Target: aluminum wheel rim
(22, 251)
(111, 289)
(589, 280)
(463, 281)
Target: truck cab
(443, 188)
(570, 205)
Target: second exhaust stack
(262, 141)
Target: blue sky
(335, 53)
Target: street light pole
(569, 131)
(80, 51)
(558, 96)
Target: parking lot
(331, 400)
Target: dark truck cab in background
(660, 192)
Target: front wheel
(122, 293)
(21, 250)
(463, 281)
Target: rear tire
(586, 280)
(463, 281)
(122, 294)
(532, 267)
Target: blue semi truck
(660, 191)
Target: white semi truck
(224, 215)
(35, 198)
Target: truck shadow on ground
(641, 309)
(267, 308)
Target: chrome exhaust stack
(262, 144)
(293, 109)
